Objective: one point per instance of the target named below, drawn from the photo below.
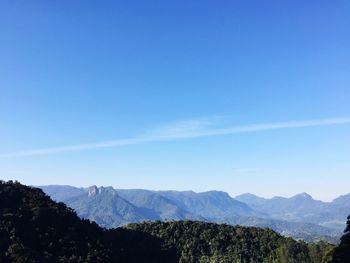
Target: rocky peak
(303, 196)
(92, 190)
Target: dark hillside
(33, 228)
(207, 242)
(342, 252)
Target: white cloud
(246, 170)
(181, 130)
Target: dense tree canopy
(206, 242)
(342, 252)
(33, 228)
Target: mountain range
(302, 208)
(300, 216)
(34, 228)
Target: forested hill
(208, 242)
(33, 228)
(342, 251)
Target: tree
(341, 253)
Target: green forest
(33, 228)
(207, 242)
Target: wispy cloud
(246, 170)
(181, 130)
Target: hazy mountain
(302, 208)
(148, 205)
(339, 209)
(104, 206)
(61, 192)
(165, 208)
(299, 216)
(343, 200)
(212, 205)
(251, 199)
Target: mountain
(302, 208)
(212, 205)
(300, 216)
(251, 199)
(33, 228)
(339, 209)
(343, 200)
(113, 207)
(107, 208)
(165, 208)
(62, 192)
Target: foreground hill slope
(33, 228)
(198, 241)
(342, 252)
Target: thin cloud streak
(183, 133)
(246, 170)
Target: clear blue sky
(81, 72)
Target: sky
(238, 96)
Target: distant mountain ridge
(300, 216)
(113, 207)
(302, 208)
(106, 207)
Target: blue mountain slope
(212, 205)
(62, 192)
(299, 216)
(302, 208)
(164, 207)
(107, 208)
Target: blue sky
(167, 84)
